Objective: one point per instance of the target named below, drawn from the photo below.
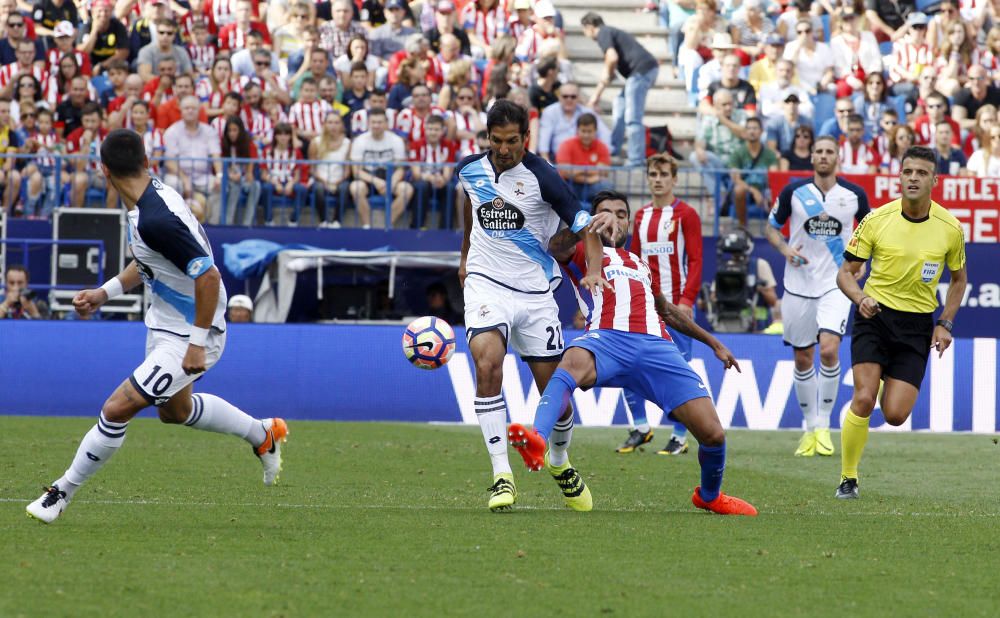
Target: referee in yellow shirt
(910, 242)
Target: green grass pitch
(374, 519)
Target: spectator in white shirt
(373, 152)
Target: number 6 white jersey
(821, 224)
(514, 215)
(171, 251)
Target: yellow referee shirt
(907, 256)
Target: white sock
(829, 384)
(562, 435)
(805, 392)
(492, 415)
(644, 427)
(94, 451)
(211, 413)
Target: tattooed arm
(677, 320)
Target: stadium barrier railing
(706, 188)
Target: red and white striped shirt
(669, 239)
(47, 145)
(907, 56)
(231, 37)
(219, 124)
(856, 160)
(630, 305)
(75, 145)
(308, 117)
(187, 24)
(260, 125)
(282, 166)
(53, 56)
(359, 120)
(203, 90)
(488, 25)
(463, 122)
(410, 125)
(9, 72)
(202, 56)
(442, 152)
(880, 146)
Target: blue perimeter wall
(353, 373)
(979, 317)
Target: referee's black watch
(946, 324)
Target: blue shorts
(683, 343)
(650, 366)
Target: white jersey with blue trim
(514, 215)
(821, 224)
(171, 250)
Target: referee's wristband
(946, 324)
(113, 287)
(198, 336)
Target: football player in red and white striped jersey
(667, 234)
(626, 335)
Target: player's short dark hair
(920, 152)
(506, 112)
(124, 153)
(592, 19)
(609, 195)
(586, 120)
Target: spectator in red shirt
(585, 152)
(937, 111)
(234, 35)
(432, 178)
(170, 112)
(160, 89)
(120, 108)
(86, 140)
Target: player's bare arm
(778, 242)
(676, 319)
(87, 302)
(594, 250)
(466, 235)
(206, 297)
(563, 244)
(941, 339)
(847, 280)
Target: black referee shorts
(899, 341)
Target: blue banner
(355, 373)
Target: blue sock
(713, 464)
(637, 406)
(553, 402)
(680, 431)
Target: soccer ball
(428, 342)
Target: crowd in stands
(365, 104)
(265, 101)
(877, 75)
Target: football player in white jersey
(514, 203)
(821, 212)
(186, 322)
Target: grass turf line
(384, 519)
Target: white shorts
(529, 322)
(161, 376)
(805, 318)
